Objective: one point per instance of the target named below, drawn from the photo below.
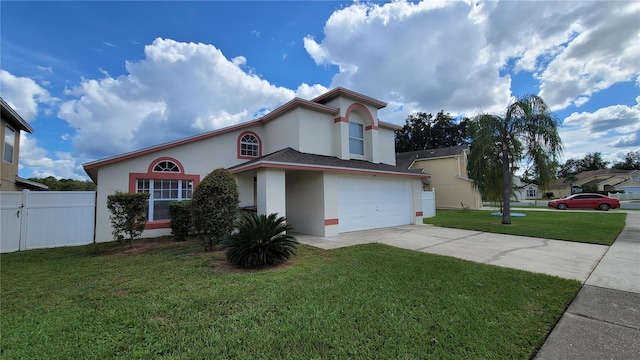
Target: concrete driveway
(570, 260)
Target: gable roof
(296, 102)
(340, 91)
(289, 158)
(14, 118)
(583, 177)
(406, 159)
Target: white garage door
(368, 203)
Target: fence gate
(44, 219)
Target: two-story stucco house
(11, 125)
(327, 164)
(448, 175)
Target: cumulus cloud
(604, 130)
(177, 90)
(42, 164)
(457, 56)
(427, 55)
(23, 94)
(617, 118)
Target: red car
(585, 201)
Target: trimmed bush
(214, 207)
(180, 212)
(128, 214)
(260, 240)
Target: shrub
(260, 240)
(128, 214)
(180, 212)
(214, 207)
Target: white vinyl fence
(429, 203)
(45, 219)
(626, 195)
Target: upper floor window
(249, 146)
(166, 166)
(356, 139)
(9, 144)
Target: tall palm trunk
(506, 186)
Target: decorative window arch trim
(239, 147)
(362, 110)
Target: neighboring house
(447, 168)
(598, 180)
(327, 164)
(523, 191)
(12, 124)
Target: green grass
(588, 227)
(177, 302)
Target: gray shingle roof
(405, 159)
(294, 157)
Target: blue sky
(97, 79)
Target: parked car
(585, 201)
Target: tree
(592, 161)
(128, 214)
(529, 130)
(65, 184)
(214, 207)
(631, 162)
(570, 178)
(423, 131)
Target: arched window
(165, 181)
(166, 166)
(249, 145)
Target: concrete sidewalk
(603, 321)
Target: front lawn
(171, 300)
(588, 227)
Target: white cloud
(429, 56)
(620, 119)
(41, 164)
(177, 90)
(612, 131)
(457, 56)
(23, 94)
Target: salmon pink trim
(340, 119)
(327, 169)
(364, 111)
(159, 224)
(331, 221)
(419, 213)
(165, 158)
(240, 156)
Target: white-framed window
(161, 193)
(356, 139)
(249, 146)
(9, 144)
(531, 193)
(166, 166)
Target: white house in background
(327, 164)
(523, 191)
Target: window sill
(158, 224)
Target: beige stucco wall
(8, 171)
(386, 146)
(449, 179)
(305, 202)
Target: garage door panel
(367, 203)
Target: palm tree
(529, 130)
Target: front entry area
(373, 202)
